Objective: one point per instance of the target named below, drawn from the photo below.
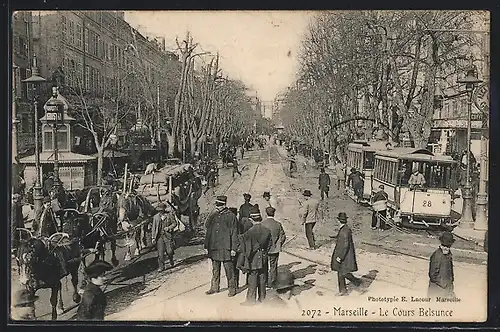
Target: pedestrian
(245, 207)
(340, 173)
(344, 256)
(357, 184)
(324, 183)
(379, 208)
(257, 242)
(242, 150)
(235, 167)
(278, 240)
(441, 269)
(244, 224)
(23, 305)
(93, 303)
(221, 242)
(309, 214)
(164, 224)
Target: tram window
(369, 160)
(404, 172)
(394, 170)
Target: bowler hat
(446, 239)
(284, 280)
(270, 211)
(46, 200)
(266, 194)
(353, 170)
(342, 216)
(98, 268)
(23, 297)
(247, 196)
(221, 200)
(307, 193)
(233, 210)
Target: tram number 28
(427, 203)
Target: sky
(259, 48)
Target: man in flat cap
(344, 256)
(93, 303)
(221, 241)
(441, 269)
(278, 239)
(245, 207)
(257, 242)
(162, 234)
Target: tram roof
(370, 146)
(414, 154)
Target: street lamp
(54, 109)
(36, 79)
(470, 80)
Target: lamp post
(36, 79)
(54, 109)
(470, 80)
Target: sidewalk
(470, 234)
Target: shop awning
(63, 157)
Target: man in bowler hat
(162, 234)
(441, 269)
(309, 214)
(257, 242)
(93, 303)
(221, 241)
(344, 257)
(278, 239)
(245, 207)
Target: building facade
(99, 55)
(22, 108)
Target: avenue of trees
(179, 107)
(386, 69)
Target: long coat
(324, 181)
(257, 242)
(93, 303)
(344, 249)
(222, 235)
(245, 210)
(441, 274)
(277, 233)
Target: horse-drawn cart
(176, 185)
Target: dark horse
(132, 210)
(40, 268)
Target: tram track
(153, 291)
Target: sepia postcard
(295, 166)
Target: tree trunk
(100, 162)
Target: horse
(132, 209)
(39, 268)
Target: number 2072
(311, 313)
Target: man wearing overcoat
(257, 242)
(441, 275)
(221, 242)
(245, 207)
(344, 256)
(93, 303)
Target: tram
(420, 207)
(361, 156)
